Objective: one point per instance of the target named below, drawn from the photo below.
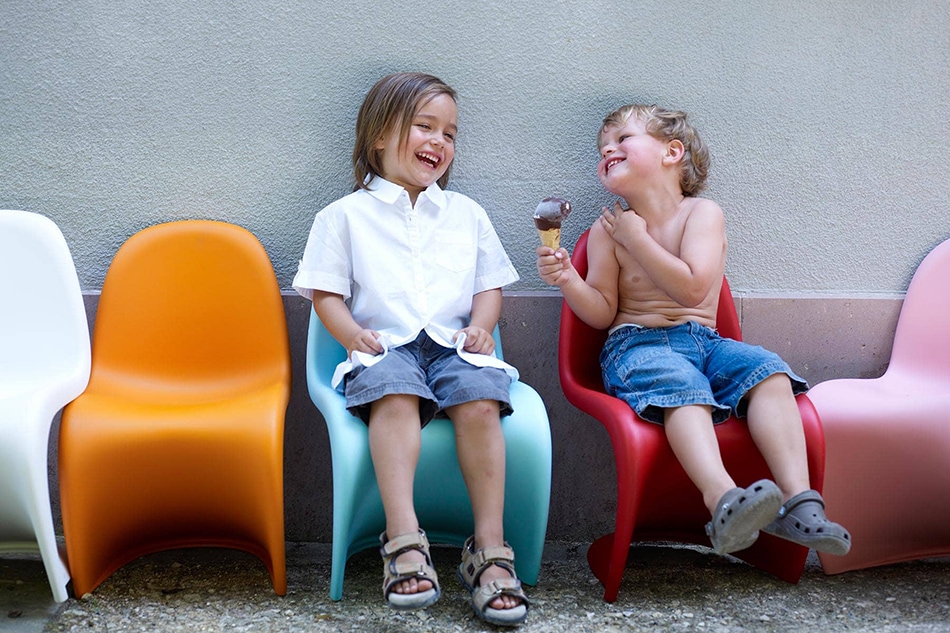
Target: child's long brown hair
(392, 102)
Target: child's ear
(674, 152)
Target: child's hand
(365, 341)
(554, 266)
(477, 340)
(622, 224)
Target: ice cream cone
(548, 218)
(551, 238)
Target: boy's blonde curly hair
(668, 125)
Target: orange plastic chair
(656, 501)
(178, 439)
(887, 474)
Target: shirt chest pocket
(454, 251)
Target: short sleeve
(493, 268)
(325, 264)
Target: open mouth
(611, 163)
(429, 159)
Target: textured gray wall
(827, 120)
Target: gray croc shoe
(740, 515)
(802, 520)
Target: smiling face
(424, 155)
(628, 154)
(684, 148)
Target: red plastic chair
(888, 438)
(656, 501)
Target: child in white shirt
(407, 277)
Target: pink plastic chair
(887, 475)
(656, 501)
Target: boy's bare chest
(669, 234)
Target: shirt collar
(388, 192)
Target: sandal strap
(484, 594)
(405, 571)
(809, 496)
(397, 572)
(399, 544)
(475, 562)
(492, 556)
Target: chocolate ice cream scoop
(548, 217)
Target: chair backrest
(324, 353)
(580, 344)
(922, 337)
(44, 335)
(191, 307)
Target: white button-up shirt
(404, 269)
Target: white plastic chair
(44, 364)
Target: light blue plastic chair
(441, 499)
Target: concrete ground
(666, 588)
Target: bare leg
(776, 427)
(692, 437)
(480, 445)
(394, 443)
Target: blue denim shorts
(653, 369)
(423, 368)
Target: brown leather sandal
(476, 562)
(394, 573)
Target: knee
(480, 414)
(395, 406)
(777, 385)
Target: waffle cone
(551, 237)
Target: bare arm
(342, 326)
(486, 308)
(685, 276)
(593, 300)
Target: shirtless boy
(656, 262)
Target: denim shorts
(423, 368)
(653, 369)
